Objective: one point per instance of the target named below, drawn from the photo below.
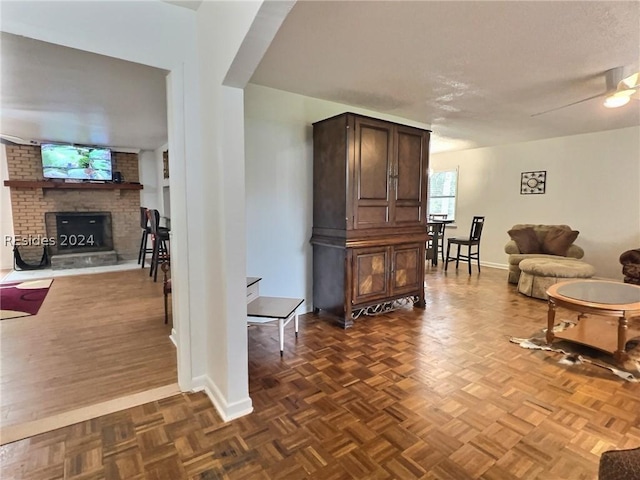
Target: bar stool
(160, 236)
(146, 231)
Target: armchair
(539, 241)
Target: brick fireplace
(34, 209)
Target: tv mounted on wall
(75, 162)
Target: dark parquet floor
(433, 394)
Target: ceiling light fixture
(625, 89)
(615, 100)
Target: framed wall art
(165, 164)
(533, 182)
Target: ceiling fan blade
(570, 104)
(12, 139)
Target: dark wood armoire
(369, 215)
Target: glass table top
(601, 292)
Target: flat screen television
(75, 162)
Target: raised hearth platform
(84, 260)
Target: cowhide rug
(576, 354)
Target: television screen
(72, 161)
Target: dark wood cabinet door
(407, 268)
(373, 157)
(370, 275)
(409, 177)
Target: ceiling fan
(619, 90)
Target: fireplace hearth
(79, 232)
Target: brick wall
(30, 205)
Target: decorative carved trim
(384, 307)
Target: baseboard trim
(174, 337)
(226, 411)
(13, 433)
(499, 266)
(474, 264)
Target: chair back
(437, 216)
(154, 220)
(476, 229)
(144, 219)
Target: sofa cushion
(558, 240)
(526, 240)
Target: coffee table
(602, 298)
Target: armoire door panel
(373, 165)
(372, 215)
(370, 279)
(410, 165)
(409, 214)
(406, 271)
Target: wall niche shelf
(36, 184)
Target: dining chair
(473, 240)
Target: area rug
(22, 299)
(574, 354)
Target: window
(443, 188)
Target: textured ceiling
(60, 94)
(474, 71)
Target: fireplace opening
(79, 232)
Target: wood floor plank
(434, 394)
(96, 337)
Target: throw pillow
(558, 240)
(630, 256)
(526, 240)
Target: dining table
(433, 231)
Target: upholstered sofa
(620, 465)
(539, 241)
(630, 261)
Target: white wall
(156, 187)
(222, 27)
(279, 186)
(6, 214)
(150, 195)
(593, 185)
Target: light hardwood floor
(430, 394)
(96, 338)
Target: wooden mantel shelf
(77, 186)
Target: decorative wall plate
(533, 182)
